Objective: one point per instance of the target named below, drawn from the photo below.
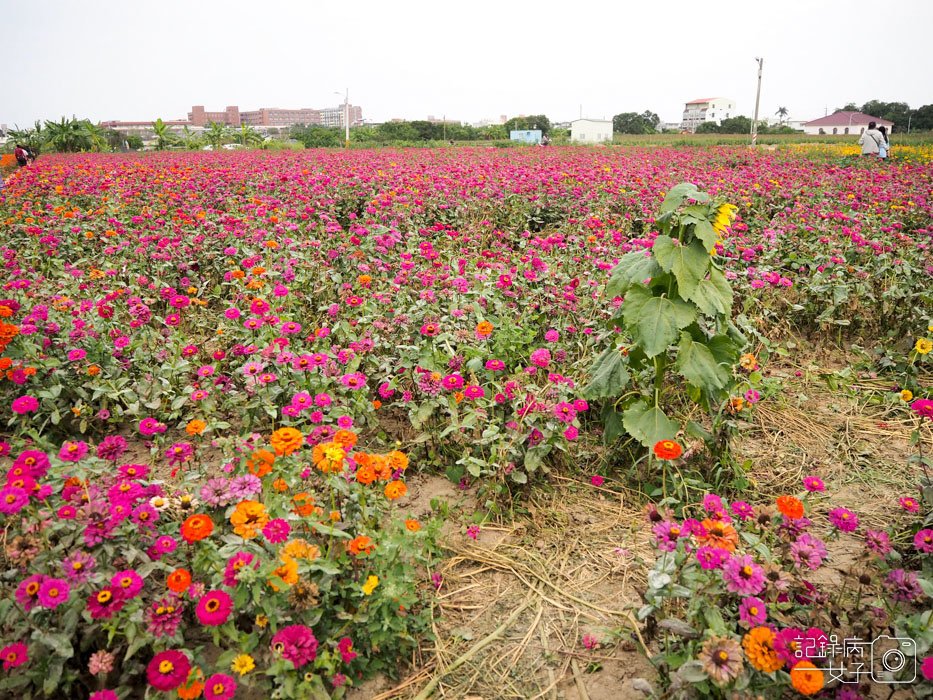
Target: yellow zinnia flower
(923, 346)
(906, 395)
(370, 585)
(243, 664)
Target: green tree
(215, 135)
(135, 142)
(190, 140)
(897, 112)
(248, 136)
(708, 128)
(68, 135)
(782, 114)
(736, 125)
(163, 135)
(318, 136)
(534, 121)
(634, 123)
(921, 119)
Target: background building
(198, 117)
(709, 109)
(844, 123)
(591, 130)
(275, 116)
(333, 116)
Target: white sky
(142, 59)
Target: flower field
(220, 371)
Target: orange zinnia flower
(304, 503)
(328, 457)
(398, 461)
(196, 528)
(759, 649)
(719, 534)
(395, 489)
(346, 439)
(667, 449)
(365, 474)
(287, 572)
(412, 525)
(806, 678)
(260, 463)
(195, 427)
(286, 440)
(280, 485)
(484, 329)
(360, 545)
(178, 581)
(790, 507)
(249, 518)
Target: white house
(709, 109)
(844, 123)
(590, 130)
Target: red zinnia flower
(214, 608)
(668, 449)
(168, 670)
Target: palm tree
(68, 135)
(163, 135)
(782, 113)
(95, 137)
(215, 135)
(248, 136)
(189, 139)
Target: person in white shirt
(871, 140)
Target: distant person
(21, 153)
(545, 141)
(871, 140)
(885, 146)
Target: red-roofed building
(708, 109)
(844, 123)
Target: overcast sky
(138, 60)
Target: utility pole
(346, 115)
(761, 63)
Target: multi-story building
(230, 116)
(709, 109)
(333, 116)
(276, 116)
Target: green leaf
(698, 366)
(713, 296)
(59, 643)
(647, 424)
(612, 425)
(689, 263)
(518, 476)
(633, 268)
(534, 456)
(704, 230)
(696, 430)
(609, 374)
(655, 321)
(676, 196)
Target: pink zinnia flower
(844, 519)
(878, 541)
(13, 499)
(54, 592)
(541, 357)
(276, 530)
(76, 354)
(234, 564)
(168, 670)
(214, 608)
(105, 603)
(14, 655)
(73, 451)
(25, 404)
(35, 461)
(596, 480)
(27, 593)
(220, 686)
(909, 504)
(128, 582)
(104, 695)
(813, 483)
(150, 426)
(345, 647)
(923, 541)
(295, 643)
(923, 408)
(753, 611)
(473, 391)
(742, 575)
(926, 668)
(452, 382)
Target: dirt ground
(516, 603)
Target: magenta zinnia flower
(541, 357)
(473, 391)
(104, 695)
(923, 408)
(276, 530)
(78, 566)
(105, 603)
(179, 453)
(711, 557)
(128, 582)
(844, 519)
(36, 461)
(742, 575)
(111, 447)
(923, 541)
(234, 564)
(27, 593)
(878, 541)
(903, 586)
(753, 611)
(220, 686)
(25, 404)
(164, 616)
(214, 608)
(295, 643)
(14, 655)
(54, 592)
(813, 483)
(73, 451)
(168, 670)
(13, 499)
(808, 551)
